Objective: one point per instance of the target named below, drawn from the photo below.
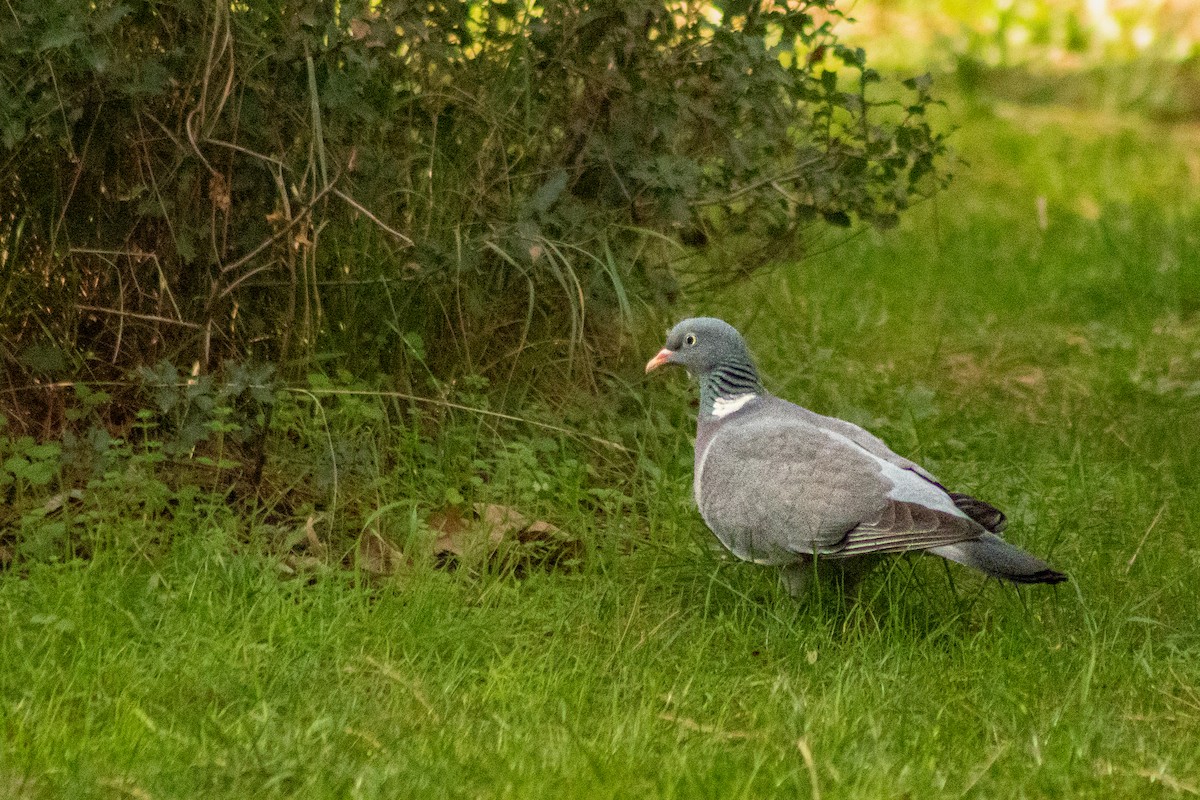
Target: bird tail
(996, 557)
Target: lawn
(1032, 336)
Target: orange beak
(658, 360)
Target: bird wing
(773, 485)
(987, 515)
(903, 526)
(866, 440)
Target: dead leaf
(20, 788)
(413, 685)
(378, 557)
(1024, 383)
(218, 190)
(540, 532)
(127, 788)
(1087, 207)
(294, 563)
(455, 535)
(1168, 780)
(500, 518)
(301, 239)
(366, 737)
(1076, 340)
(310, 537)
(700, 727)
(1033, 377)
(965, 370)
(493, 528)
(59, 500)
(811, 765)
(362, 30)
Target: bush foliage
(417, 190)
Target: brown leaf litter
(487, 533)
(495, 529)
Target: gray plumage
(781, 485)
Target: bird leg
(797, 576)
(847, 574)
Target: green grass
(1053, 372)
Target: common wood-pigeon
(781, 485)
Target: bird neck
(726, 381)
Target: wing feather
(984, 513)
(907, 526)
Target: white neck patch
(724, 406)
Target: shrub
(417, 190)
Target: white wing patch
(724, 406)
(907, 486)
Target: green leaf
(885, 221)
(64, 36)
(548, 192)
(14, 132)
(107, 20)
(504, 8)
(45, 359)
(415, 345)
(922, 83)
(153, 79)
(185, 245)
(44, 451)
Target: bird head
(700, 344)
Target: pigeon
(783, 486)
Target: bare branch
(135, 315)
(362, 210)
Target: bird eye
(690, 339)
